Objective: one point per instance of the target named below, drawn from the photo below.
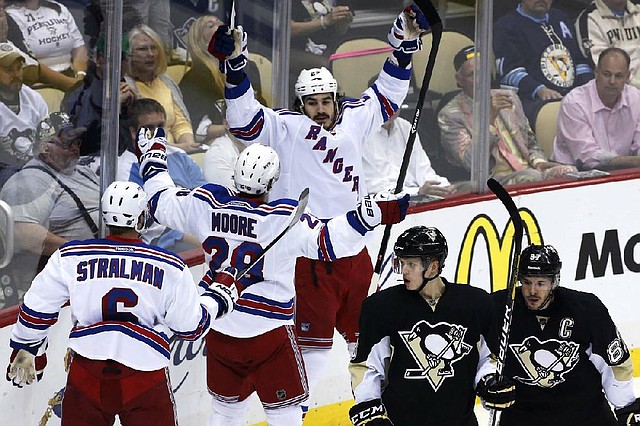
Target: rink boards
(595, 228)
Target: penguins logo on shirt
(435, 349)
(545, 363)
(557, 66)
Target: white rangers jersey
(49, 35)
(235, 231)
(126, 298)
(327, 162)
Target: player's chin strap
(425, 281)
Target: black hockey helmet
(424, 242)
(540, 261)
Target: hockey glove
(371, 413)
(496, 391)
(404, 35)
(383, 208)
(151, 150)
(629, 415)
(230, 48)
(25, 368)
(223, 288)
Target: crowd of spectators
(543, 54)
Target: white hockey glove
(405, 33)
(230, 48)
(629, 415)
(223, 288)
(371, 413)
(151, 151)
(25, 368)
(496, 391)
(383, 208)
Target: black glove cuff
(368, 411)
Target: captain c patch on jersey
(546, 362)
(435, 348)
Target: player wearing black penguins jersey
(424, 344)
(564, 351)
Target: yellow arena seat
(52, 97)
(547, 126)
(355, 62)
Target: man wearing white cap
(21, 109)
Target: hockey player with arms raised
(565, 354)
(254, 348)
(425, 344)
(320, 145)
(126, 297)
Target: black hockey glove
(629, 415)
(371, 413)
(496, 391)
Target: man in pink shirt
(599, 123)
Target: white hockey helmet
(315, 80)
(256, 169)
(122, 204)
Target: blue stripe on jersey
(514, 77)
(202, 328)
(283, 305)
(261, 306)
(251, 130)
(36, 320)
(387, 108)
(395, 71)
(218, 197)
(108, 242)
(153, 203)
(325, 247)
(157, 341)
(350, 104)
(138, 254)
(356, 223)
(285, 111)
(583, 69)
(239, 90)
(263, 313)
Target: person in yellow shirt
(148, 64)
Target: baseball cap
(58, 124)
(463, 56)
(8, 54)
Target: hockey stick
(518, 230)
(436, 30)
(295, 218)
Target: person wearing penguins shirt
(425, 346)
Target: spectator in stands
(220, 159)
(184, 171)
(515, 154)
(54, 199)
(51, 36)
(599, 123)
(317, 29)
(382, 158)
(611, 23)
(536, 52)
(84, 105)
(21, 109)
(147, 76)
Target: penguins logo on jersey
(557, 65)
(435, 348)
(546, 362)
